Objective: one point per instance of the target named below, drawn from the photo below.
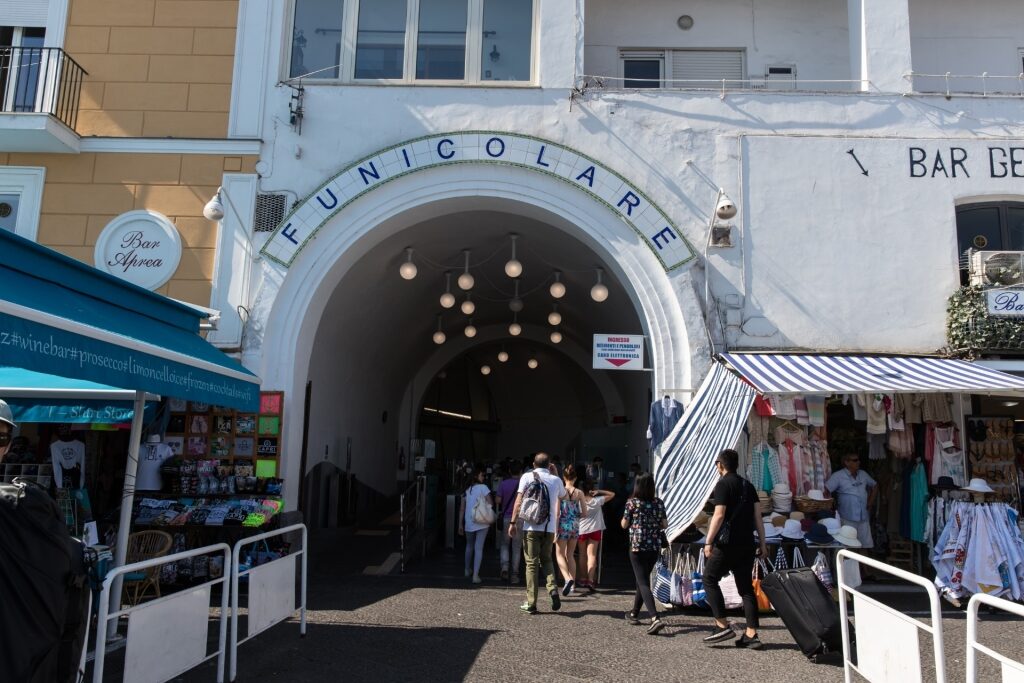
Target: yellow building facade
(119, 106)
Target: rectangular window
(316, 38)
(706, 68)
(507, 45)
(380, 40)
(441, 43)
(22, 68)
(641, 73)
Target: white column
(235, 254)
(880, 53)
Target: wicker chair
(145, 545)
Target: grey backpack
(536, 505)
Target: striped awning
(684, 463)
(821, 374)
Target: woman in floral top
(645, 519)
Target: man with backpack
(536, 507)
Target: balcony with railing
(40, 89)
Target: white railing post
(974, 647)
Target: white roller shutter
(695, 68)
(23, 12)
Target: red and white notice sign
(618, 352)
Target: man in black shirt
(730, 548)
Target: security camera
(725, 208)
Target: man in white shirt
(540, 536)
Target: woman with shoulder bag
(476, 516)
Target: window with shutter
(701, 68)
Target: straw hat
(815, 494)
(847, 536)
(797, 515)
(782, 488)
(978, 485)
(778, 520)
(792, 530)
(701, 522)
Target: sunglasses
(5, 438)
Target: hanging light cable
(516, 304)
(447, 299)
(557, 289)
(466, 280)
(599, 292)
(439, 336)
(554, 317)
(513, 268)
(515, 329)
(408, 269)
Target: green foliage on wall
(970, 330)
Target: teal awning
(62, 317)
(38, 397)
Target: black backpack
(43, 579)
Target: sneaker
(515, 578)
(527, 608)
(656, 625)
(468, 573)
(556, 602)
(632, 619)
(590, 589)
(567, 588)
(720, 635)
(750, 643)
(477, 579)
(504, 575)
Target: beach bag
(682, 583)
(821, 570)
(780, 560)
(699, 596)
(536, 505)
(730, 593)
(483, 513)
(661, 581)
(760, 571)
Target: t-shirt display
(151, 456)
(68, 458)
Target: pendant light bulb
(513, 268)
(408, 270)
(557, 289)
(599, 292)
(468, 306)
(556, 337)
(466, 280)
(515, 329)
(439, 335)
(554, 317)
(532, 363)
(447, 299)
(485, 369)
(503, 356)
(470, 330)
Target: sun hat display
(781, 487)
(815, 494)
(831, 524)
(793, 530)
(798, 516)
(772, 531)
(946, 484)
(819, 534)
(847, 536)
(5, 414)
(978, 485)
(778, 520)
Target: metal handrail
(984, 77)
(935, 628)
(724, 85)
(40, 80)
(973, 646)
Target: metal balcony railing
(40, 80)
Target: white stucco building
(599, 133)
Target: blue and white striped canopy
(684, 463)
(820, 374)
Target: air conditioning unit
(997, 268)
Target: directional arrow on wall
(852, 154)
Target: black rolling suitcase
(807, 610)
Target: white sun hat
(793, 530)
(847, 536)
(772, 531)
(815, 494)
(832, 524)
(978, 485)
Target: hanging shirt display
(815, 410)
(764, 470)
(874, 405)
(934, 407)
(68, 458)
(665, 413)
(947, 458)
(918, 504)
(980, 550)
(151, 456)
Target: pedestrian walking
(477, 515)
(511, 545)
(570, 511)
(729, 547)
(537, 505)
(645, 520)
(592, 528)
